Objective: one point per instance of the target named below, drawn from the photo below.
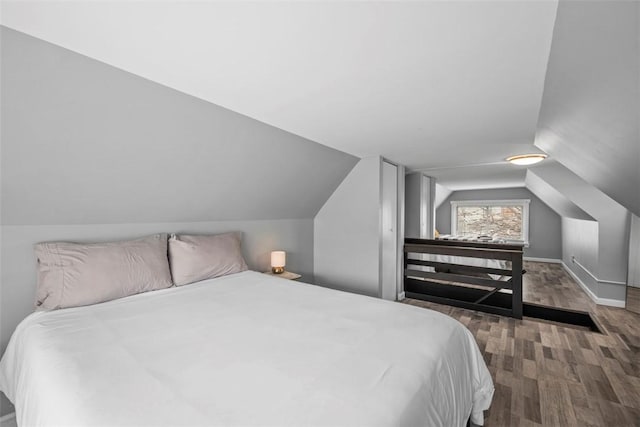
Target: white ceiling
(426, 84)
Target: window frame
(524, 203)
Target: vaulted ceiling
(397, 79)
(447, 87)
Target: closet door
(389, 232)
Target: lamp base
(277, 270)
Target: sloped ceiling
(86, 143)
(590, 115)
(613, 218)
(594, 202)
(554, 198)
(447, 88)
(398, 79)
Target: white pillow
(76, 274)
(199, 257)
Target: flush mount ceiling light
(526, 159)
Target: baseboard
(611, 302)
(401, 296)
(549, 260)
(594, 297)
(6, 418)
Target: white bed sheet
(244, 349)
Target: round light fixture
(526, 159)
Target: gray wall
(441, 194)
(347, 233)
(350, 245)
(580, 242)
(589, 114)
(545, 229)
(419, 211)
(613, 229)
(413, 209)
(86, 143)
(92, 153)
(634, 253)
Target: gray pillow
(199, 257)
(76, 274)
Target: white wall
(347, 232)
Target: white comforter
(245, 349)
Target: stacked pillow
(77, 274)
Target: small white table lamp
(278, 261)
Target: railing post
(516, 282)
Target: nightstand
(286, 275)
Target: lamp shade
(278, 258)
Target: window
(500, 219)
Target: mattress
(245, 349)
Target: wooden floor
(550, 375)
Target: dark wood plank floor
(550, 375)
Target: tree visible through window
(506, 220)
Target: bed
(244, 349)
